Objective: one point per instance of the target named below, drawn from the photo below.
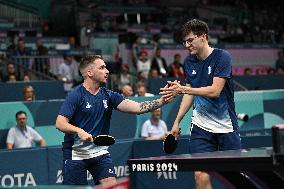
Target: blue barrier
(261, 82)
(44, 90)
(24, 167)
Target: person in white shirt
(144, 64)
(154, 128)
(23, 136)
(67, 71)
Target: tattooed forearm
(148, 106)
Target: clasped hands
(171, 90)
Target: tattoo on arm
(148, 106)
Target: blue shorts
(75, 171)
(203, 141)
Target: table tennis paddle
(170, 144)
(103, 140)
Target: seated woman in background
(28, 93)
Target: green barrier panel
(8, 111)
(251, 104)
(51, 135)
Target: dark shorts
(203, 141)
(75, 171)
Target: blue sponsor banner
(55, 160)
(44, 90)
(120, 153)
(25, 167)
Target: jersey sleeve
(224, 66)
(69, 105)
(115, 98)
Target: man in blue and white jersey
(86, 112)
(209, 89)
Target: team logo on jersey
(105, 104)
(193, 72)
(88, 105)
(209, 70)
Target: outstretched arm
(131, 106)
(212, 91)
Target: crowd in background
(253, 23)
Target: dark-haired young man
(86, 112)
(208, 72)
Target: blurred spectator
(85, 34)
(124, 76)
(10, 70)
(280, 60)
(46, 29)
(136, 50)
(68, 71)
(279, 71)
(247, 71)
(41, 49)
(22, 136)
(159, 63)
(41, 64)
(26, 78)
(12, 78)
(12, 44)
(72, 42)
(154, 128)
(21, 55)
(28, 93)
(141, 90)
(127, 90)
(144, 64)
(271, 71)
(176, 68)
(153, 73)
(141, 77)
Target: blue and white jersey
(215, 115)
(92, 113)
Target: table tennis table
(247, 168)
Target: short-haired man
(154, 128)
(23, 136)
(86, 112)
